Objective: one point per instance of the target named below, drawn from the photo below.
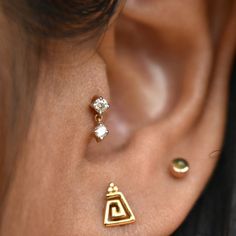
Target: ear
(168, 65)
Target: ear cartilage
(179, 168)
(100, 105)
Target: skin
(164, 66)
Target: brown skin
(168, 92)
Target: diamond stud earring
(100, 105)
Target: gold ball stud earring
(179, 167)
(100, 105)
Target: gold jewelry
(179, 167)
(117, 210)
(100, 105)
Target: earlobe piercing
(179, 168)
(118, 211)
(100, 105)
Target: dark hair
(60, 18)
(215, 212)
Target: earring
(117, 210)
(100, 105)
(179, 168)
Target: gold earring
(179, 167)
(100, 105)
(117, 210)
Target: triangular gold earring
(117, 210)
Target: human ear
(164, 67)
(168, 67)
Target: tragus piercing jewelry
(100, 105)
(179, 168)
(117, 210)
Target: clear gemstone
(101, 131)
(100, 105)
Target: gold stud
(100, 105)
(179, 168)
(118, 211)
